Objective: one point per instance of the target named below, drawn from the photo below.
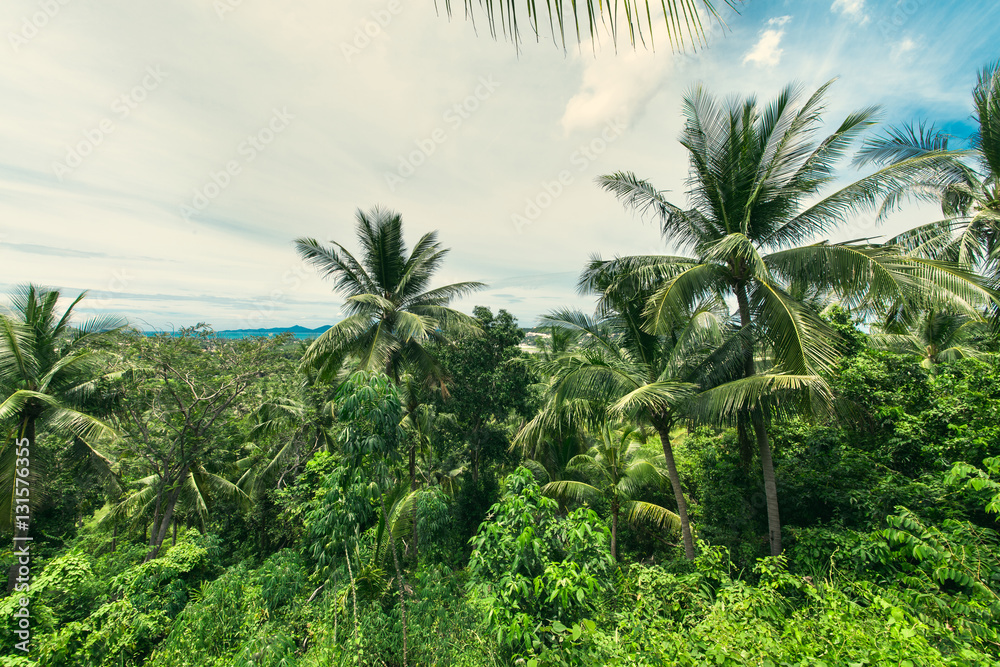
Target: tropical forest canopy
(763, 448)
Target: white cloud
(613, 86)
(902, 48)
(779, 20)
(852, 8)
(767, 51)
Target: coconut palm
(418, 423)
(757, 179)
(200, 490)
(391, 313)
(554, 436)
(646, 377)
(684, 20)
(49, 374)
(616, 469)
(937, 336)
(965, 182)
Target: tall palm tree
(757, 175)
(49, 373)
(418, 423)
(391, 312)
(643, 376)
(684, 20)
(616, 469)
(966, 182)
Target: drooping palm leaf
(685, 20)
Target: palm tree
(558, 342)
(643, 376)
(49, 373)
(391, 313)
(966, 182)
(937, 336)
(756, 178)
(554, 436)
(200, 489)
(418, 423)
(683, 20)
(617, 469)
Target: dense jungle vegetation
(766, 449)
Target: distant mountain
(299, 333)
(297, 330)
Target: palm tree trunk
(770, 485)
(413, 488)
(760, 431)
(156, 514)
(614, 530)
(399, 574)
(663, 428)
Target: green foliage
(532, 570)
(342, 508)
(949, 575)
(979, 481)
(700, 618)
(492, 389)
(233, 620)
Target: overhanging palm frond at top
(685, 20)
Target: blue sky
(165, 155)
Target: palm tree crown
(617, 469)
(966, 182)
(391, 312)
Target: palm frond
(642, 513)
(684, 20)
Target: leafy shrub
(536, 574)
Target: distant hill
(297, 331)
